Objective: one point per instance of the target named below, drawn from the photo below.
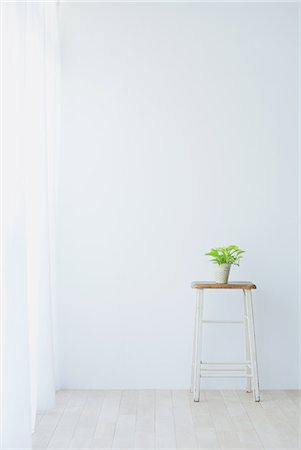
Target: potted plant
(224, 257)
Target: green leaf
(226, 255)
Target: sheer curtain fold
(30, 91)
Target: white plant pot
(222, 273)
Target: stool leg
(248, 384)
(198, 344)
(252, 342)
(193, 347)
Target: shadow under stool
(202, 369)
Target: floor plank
(164, 422)
(145, 421)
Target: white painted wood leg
(248, 371)
(252, 343)
(198, 344)
(193, 347)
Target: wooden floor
(170, 420)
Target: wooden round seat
(213, 285)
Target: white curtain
(30, 117)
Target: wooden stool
(249, 369)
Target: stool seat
(214, 285)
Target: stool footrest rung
(233, 363)
(223, 321)
(227, 376)
(222, 370)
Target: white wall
(179, 132)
